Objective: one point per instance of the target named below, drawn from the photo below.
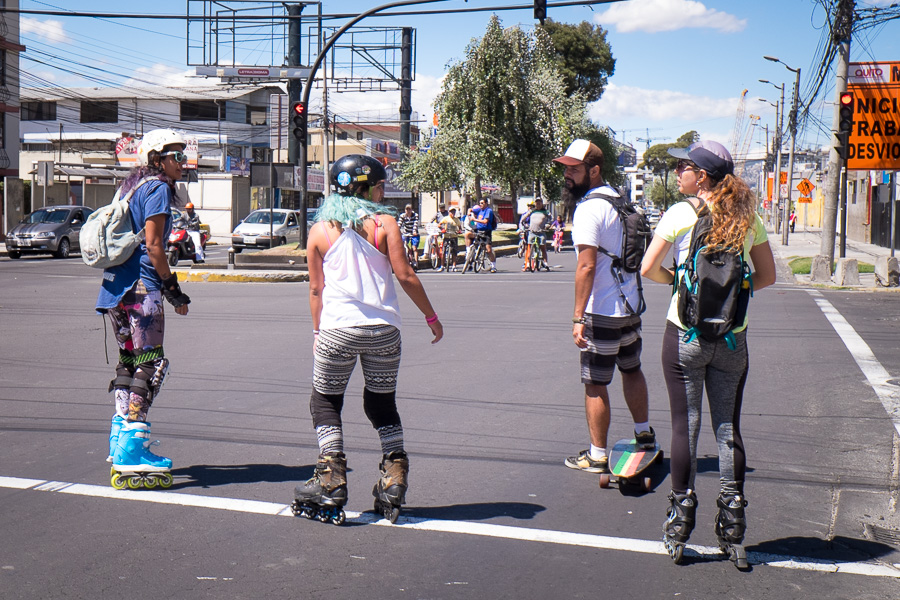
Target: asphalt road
(489, 414)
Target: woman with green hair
(353, 248)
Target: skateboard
(627, 462)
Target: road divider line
(875, 373)
(509, 532)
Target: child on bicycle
(559, 227)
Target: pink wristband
(431, 319)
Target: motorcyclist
(190, 222)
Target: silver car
(260, 230)
(49, 230)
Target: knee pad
(124, 376)
(149, 378)
(381, 408)
(326, 408)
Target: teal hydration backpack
(714, 288)
(107, 238)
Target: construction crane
(648, 140)
(740, 159)
(737, 130)
(624, 131)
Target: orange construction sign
(875, 138)
(806, 187)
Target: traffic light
(298, 121)
(845, 124)
(540, 10)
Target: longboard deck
(627, 462)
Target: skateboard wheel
(604, 480)
(645, 484)
(659, 458)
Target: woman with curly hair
(705, 174)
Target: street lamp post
(785, 225)
(779, 126)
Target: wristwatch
(579, 320)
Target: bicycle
(536, 256)
(558, 240)
(475, 254)
(520, 251)
(433, 231)
(411, 253)
(449, 250)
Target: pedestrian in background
(603, 326)
(705, 173)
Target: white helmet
(157, 140)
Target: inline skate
(324, 495)
(390, 489)
(730, 527)
(680, 518)
(115, 427)
(134, 466)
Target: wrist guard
(172, 292)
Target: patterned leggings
(378, 349)
(138, 323)
(688, 367)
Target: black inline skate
(390, 490)
(680, 519)
(730, 527)
(325, 494)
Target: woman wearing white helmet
(131, 295)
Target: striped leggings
(378, 349)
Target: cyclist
(409, 229)
(440, 214)
(538, 221)
(559, 228)
(450, 228)
(484, 218)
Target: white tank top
(359, 285)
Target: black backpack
(635, 239)
(714, 288)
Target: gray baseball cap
(710, 156)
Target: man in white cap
(603, 325)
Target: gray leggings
(687, 368)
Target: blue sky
(681, 64)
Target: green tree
(658, 160)
(433, 171)
(503, 112)
(584, 57)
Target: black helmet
(356, 172)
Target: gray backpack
(107, 238)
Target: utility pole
(843, 28)
(785, 221)
(776, 177)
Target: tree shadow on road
(205, 476)
(475, 512)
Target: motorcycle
(180, 246)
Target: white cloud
(50, 30)
(627, 102)
(652, 16)
(168, 75)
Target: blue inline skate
(114, 428)
(134, 466)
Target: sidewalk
(806, 243)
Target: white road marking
(877, 375)
(461, 527)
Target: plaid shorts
(612, 341)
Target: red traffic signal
(845, 116)
(298, 121)
(298, 108)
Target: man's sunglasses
(177, 155)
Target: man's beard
(570, 197)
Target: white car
(266, 228)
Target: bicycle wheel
(534, 261)
(520, 252)
(435, 256)
(448, 255)
(478, 261)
